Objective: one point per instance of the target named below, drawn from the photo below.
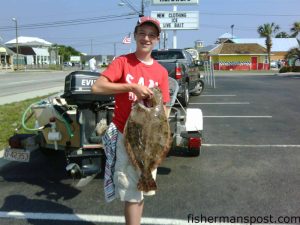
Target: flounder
(147, 138)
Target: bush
(296, 69)
(285, 69)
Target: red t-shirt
(128, 69)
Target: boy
(129, 78)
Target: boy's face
(146, 37)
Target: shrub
(296, 69)
(285, 69)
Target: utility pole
(91, 46)
(165, 38)
(17, 43)
(142, 9)
(115, 48)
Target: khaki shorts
(126, 177)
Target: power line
(71, 22)
(247, 14)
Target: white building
(37, 50)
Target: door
(253, 63)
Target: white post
(174, 31)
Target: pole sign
(174, 2)
(177, 20)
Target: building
(37, 51)
(204, 52)
(6, 57)
(100, 59)
(280, 46)
(231, 56)
(224, 37)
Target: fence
(209, 76)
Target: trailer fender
(194, 120)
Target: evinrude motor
(93, 113)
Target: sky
(99, 26)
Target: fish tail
(146, 183)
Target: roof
(41, 51)
(278, 44)
(207, 48)
(32, 41)
(238, 49)
(25, 50)
(227, 36)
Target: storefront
(230, 56)
(5, 57)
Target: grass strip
(11, 118)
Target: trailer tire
(194, 152)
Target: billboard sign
(177, 20)
(75, 58)
(174, 2)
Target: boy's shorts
(126, 177)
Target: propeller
(85, 178)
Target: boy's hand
(142, 92)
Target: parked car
(67, 64)
(274, 64)
(184, 69)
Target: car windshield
(161, 55)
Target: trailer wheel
(194, 152)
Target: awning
(41, 51)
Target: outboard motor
(92, 111)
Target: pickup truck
(184, 69)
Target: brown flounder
(147, 138)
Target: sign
(177, 20)
(174, 2)
(75, 58)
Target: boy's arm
(167, 110)
(104, 86)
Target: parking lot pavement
(251, 144)
(249, 164)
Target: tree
(66, 51)
(266, 30)
(293, 55)
(295, 29)
(282, 35)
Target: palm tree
(295, 29)
(266, 30)
(293, 54)
(282, 35)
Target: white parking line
(87, 218)
(237, 116)
(218, 95)
(219, 103)
(251, 146)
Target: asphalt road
(18, 86)
(249, 167)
